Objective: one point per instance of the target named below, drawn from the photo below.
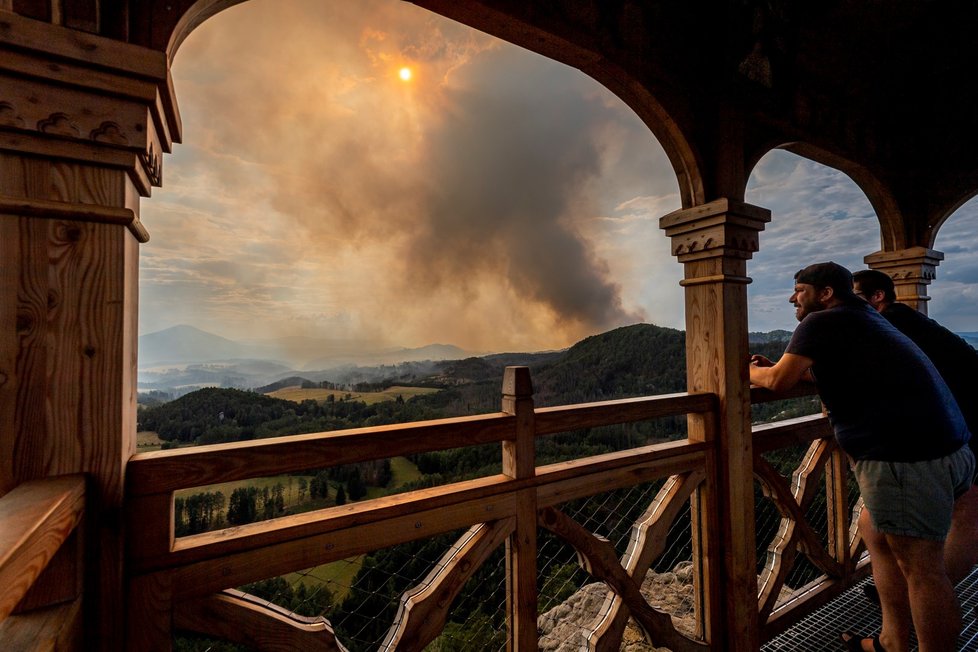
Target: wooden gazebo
(884, 92)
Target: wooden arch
(893, 227)
(906, 218)
(686, 161)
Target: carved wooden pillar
(912, 270)
(84, 121)
(714, 242)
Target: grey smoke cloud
(481, 175)
(512, 169)
(488, 196)
(497, 201)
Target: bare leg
(936, 614)
(892, 587)
(961, 547)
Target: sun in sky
(493, 199)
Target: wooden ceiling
(884, 90)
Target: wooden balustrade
(171, 577)
(839, 557)
(41, 564)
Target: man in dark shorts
(957, 362)
(893, 414)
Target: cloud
(817, 214)
(483, 203)
(497, 201)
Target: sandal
(854, 642)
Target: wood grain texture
(519, 462)
(246, 619)
(713, 242)
(54, 210)
(164, 471)
(45, 39)
(149, 614)
(646, 543)
(601, 562)
(551, 420)
(70, 406)
(288, 555)
(63, 578)
(59, 628)
(519, 454)
(799, 431)
(794, 534)
(423, 610)
(36, 519)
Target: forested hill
(638, 360)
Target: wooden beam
(713, 241)
(57, 628)
(289, 555)
(551, 420)
(163, 471)
(423, 610)
(60, 210)
(44, 39)
(239, 617)
(799, 431)
(554, 483)
(68, 351)
(35, 520)
(519, 462)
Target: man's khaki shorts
(915, 499)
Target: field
(147, 441)
(336, 576)
(298, 394)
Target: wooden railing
(40, 564)
(821, 472)
(187, 583)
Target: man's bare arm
(783, 375)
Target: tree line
(632, 361)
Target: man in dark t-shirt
(957, 362)
(894, 415)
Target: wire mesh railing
(615, 537)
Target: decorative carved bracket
(722, 228)
(912, 270)
(104, 102)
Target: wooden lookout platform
(884, 92)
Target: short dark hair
(827, 275)
(872, 281)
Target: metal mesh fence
(768, 518)
(360, 596)
(571, 601)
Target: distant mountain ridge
(641, 359)
(183, 358)
(187, 345)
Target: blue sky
(497, 200)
